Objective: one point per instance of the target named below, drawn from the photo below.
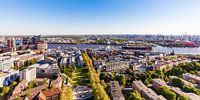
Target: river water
(178, 50)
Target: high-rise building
(8, 43)
(11, 44)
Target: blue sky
(48, 17)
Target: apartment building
(191, 78)
(21, 59)
(115, 66)
(6, 77)
(45, 69)
(185, 82)
(29, 73)
(50, 94)
(160, 65)
(57, 83)
(115, 90)
(6, 63)
(158, 82)
(146, 92)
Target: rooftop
(52, 91)
(192, 76)
(115, 90)
(3, 73)
(157, 80)
(148, 91)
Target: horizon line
(102, 34)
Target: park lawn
(79, 77)
(82, 78)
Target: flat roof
(116, 90)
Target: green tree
(4, 90)
(146, 82)
(135, 96)
(44, 81)
(177, 82)
(103, 76)
(26, 63)
(121, 79)
(192, 72)
(182, 98)
(67, 93)
(14, 83)
(98, 90)
(143, 76)
(166, 79)
(191, 89)
(164, 91)
(32, 84)
(35, 82)
(133, 76)
(100, 41)
(18, 98)
(98, 71)
(103, 84)
(155, 75)
(27, 94)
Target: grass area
(67, 93)
(79, 76)
(82, 76)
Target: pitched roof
(52, 91)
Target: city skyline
(66, 17)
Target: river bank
(157, 48)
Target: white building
(191, 78)
(8, 76)
(29, 74)
(116, 66)
(6, 63)
(146, 92)
(47, 69)
(63, 61)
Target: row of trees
(30, 62)
(179, 83)
(165, 91)
(32, 84)
(27, 63)
(6, 89)
(191, 89)
(110, 77)
(98, 90)
(145, 77)
(100, 41)
(191, 67)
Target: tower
(8, 43)
(11, 44)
